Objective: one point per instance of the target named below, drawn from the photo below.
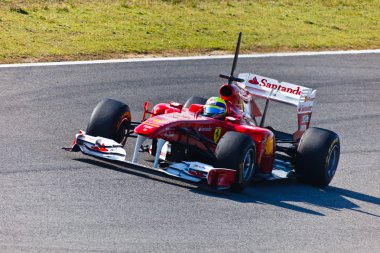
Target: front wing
(220, 178)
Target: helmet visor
(211, 110)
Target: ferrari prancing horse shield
(217, 133)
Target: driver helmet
(215, 107)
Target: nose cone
(155, 126)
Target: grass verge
(50, 30)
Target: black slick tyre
(237, 151)
(109, 119)
(195, 100)
(317, 156)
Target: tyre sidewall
(230, 154)
(194, 100)
(107, 119)
(313, 156)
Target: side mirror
(232, 119)
(176, 105)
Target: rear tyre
(237, 151)
(110, 119)
(195, 100)
(317, 156)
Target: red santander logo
(264, 83)
(254, 81)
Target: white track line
(206, 57)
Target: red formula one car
(226, 152)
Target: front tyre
(237, 151)
(317, 156)
(110, 119)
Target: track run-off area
(55, 201)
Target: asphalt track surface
(55, 201)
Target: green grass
(45, 30)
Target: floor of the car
(281, 136)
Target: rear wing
(283, 92)
(288, 93)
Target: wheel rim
(332, 162)
(248, 164)
(121, 132)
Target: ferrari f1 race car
(221, 141)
